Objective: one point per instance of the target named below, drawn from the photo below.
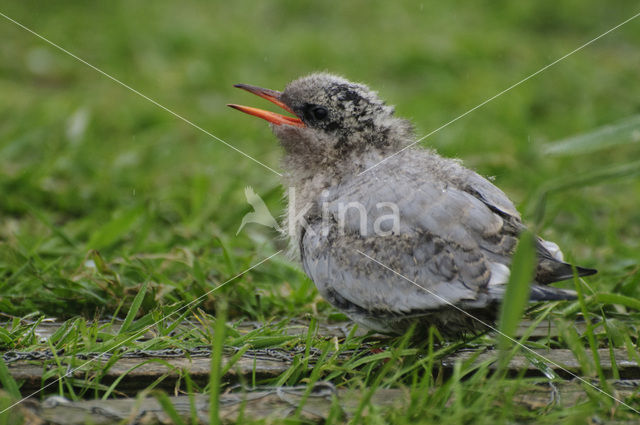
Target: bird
(392, 234)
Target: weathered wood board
(562, 361)
(45, 329)
(546, 328)
(283, 402)
(137, 373)
(141, 372)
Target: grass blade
(516, 296)
(133, 310)
(607, 298)
(595, 178)
(620, 133)
(7, 381)
(216, 362)
(168, 407)
(115, 229)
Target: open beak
(272, 96)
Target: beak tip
(272, 96)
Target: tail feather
(551, 265)
(550, 270)
(549, 293)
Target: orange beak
(272, 96)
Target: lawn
(104, 195)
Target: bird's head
(334, 121)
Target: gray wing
(446, 248)
(453, 244)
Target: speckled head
(335, 119)
(333, 104)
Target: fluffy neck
(319, 160)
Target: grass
(110, 206)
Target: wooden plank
(560, 360)
(140, 372)
(570, 393)
(45, 329)
(282, 402)
(259, 404)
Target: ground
(104, 193)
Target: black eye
(318, 113)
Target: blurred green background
(100, 190)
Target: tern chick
(444, 234)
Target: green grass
(104, 196)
